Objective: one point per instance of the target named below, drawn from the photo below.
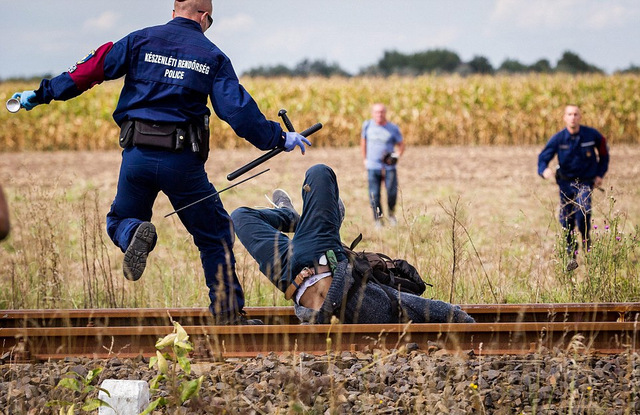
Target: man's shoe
(135, 257)
(281, 199)
(392, 220)
(571, 265)
(239, 319)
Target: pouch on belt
(158, 135)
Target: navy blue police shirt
(582, 156)
(169, 71)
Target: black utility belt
(560, 176)
(168, 136)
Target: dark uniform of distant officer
(170, 71)
(583, 158)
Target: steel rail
(483, 313)
(31, 337)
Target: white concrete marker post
(128, 397)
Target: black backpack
(386, 272)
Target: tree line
(435, 61)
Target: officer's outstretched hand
(294, 139)
(597, 182)
(27, 99)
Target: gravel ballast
(405, 381)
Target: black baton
(242, 170)
(285, 118)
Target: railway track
(37, 335)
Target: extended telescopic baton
(216, 193)
(13, 105)
(253, 164)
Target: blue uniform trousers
(390, 178)
(318, 229)
(145, 172)
(575, 211)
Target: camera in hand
(390, 159)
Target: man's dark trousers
(317, 231)
(390, 178)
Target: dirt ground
(509, 212)
(494, 181)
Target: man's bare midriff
(314, 296)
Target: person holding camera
(382, 145)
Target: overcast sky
(45, 36)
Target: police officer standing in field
(378, 141)
(583, 158)
(170, 70)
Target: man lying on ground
(313, 268)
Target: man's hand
(597, 182)
(27, 99)
(547, 173)
(294, 139)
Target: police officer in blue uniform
(583, 158)
(170, 70)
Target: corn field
(431, 110)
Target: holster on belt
(303, 275)
(199, 139)
(126, 133)
(560, 176)
(201, 135)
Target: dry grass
(60, 256)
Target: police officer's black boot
(239, 319)
(135, 257)
(244, 321)
(572, 264)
